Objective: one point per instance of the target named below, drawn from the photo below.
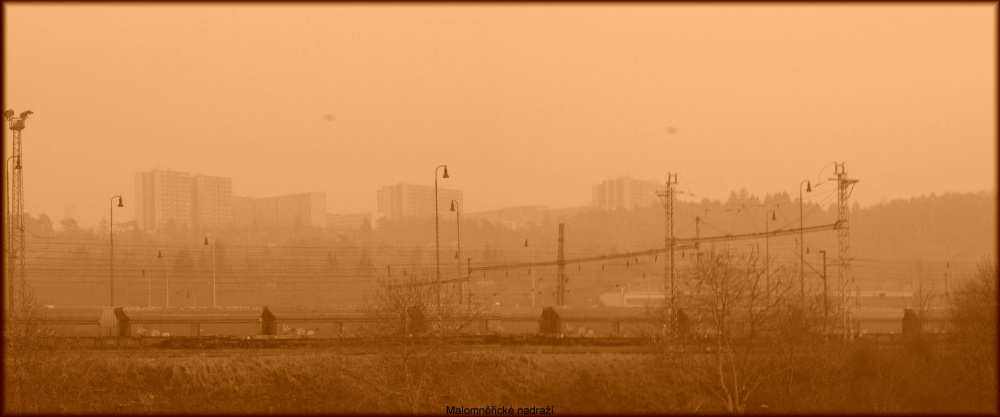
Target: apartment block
(625, 193)
(162, 198)
(403, 200)
(211, 201)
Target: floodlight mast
(15, 225)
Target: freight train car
(317, 322)
(190, 321)
(517, 321)
(76, 322)
(598, 321)
(458, 320)
(874, 323)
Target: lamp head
(809, 187)
(18, 166)
(25, 114)
(807, 250)
(120, 204)
(453, 205)
(8, 114)
(206, 240)
(445, 172)
(525, 242)
(773, 216)
(159, 254)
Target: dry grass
(385, 380)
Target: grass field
(427, 379)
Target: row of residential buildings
(168, 198)
(165, 198)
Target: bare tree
(974, 305)
(24, 337)
(412, 367)
(923, 298)
(752, 329)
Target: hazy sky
(526, 104)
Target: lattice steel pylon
(669, 280)
(15, 232)
(844, 188)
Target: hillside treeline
(892, 243)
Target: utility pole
(213, 271)
(767, 253)
(458, 254)
(166, 271)
(7, 236)
(561, 273)
(844, 188)
(802, 238)
(669, 289)
(697, 250)
(826, 303)
(15, 263)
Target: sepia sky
(526, 104)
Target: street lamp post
(767, 249)
(947, 270)
(531, 275)
(213, 269)
(437, 234)
(458, 255)
(111, 230)
(166, 271)
(802, 235)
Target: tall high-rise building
(402, 200)
(167, 197)
(211, 201)
(624, 193)
(162, 198)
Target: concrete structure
(161, 197)
(353, 221)
(403, 200)
(306, 209)
(624, 193)
(211, 201)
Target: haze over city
(526, 104)
(447, 208)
